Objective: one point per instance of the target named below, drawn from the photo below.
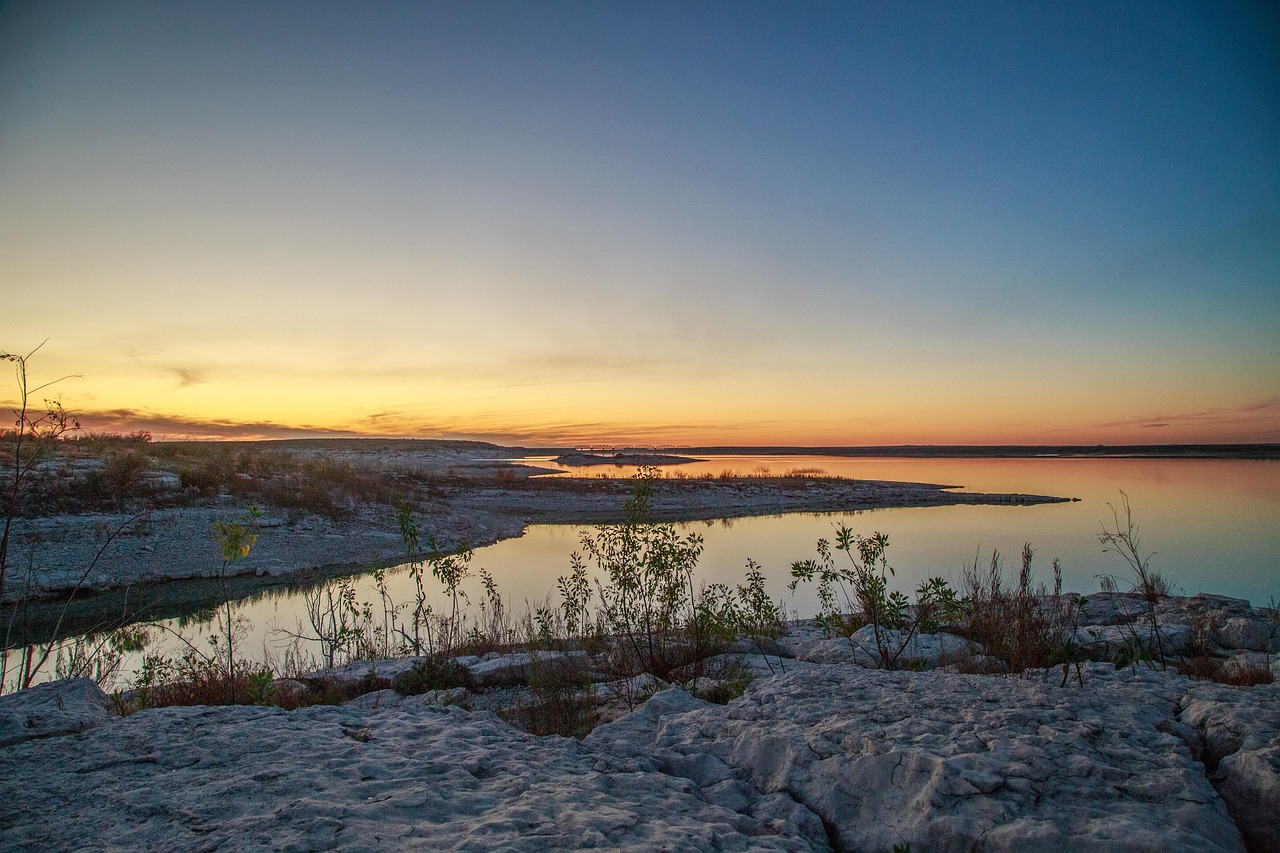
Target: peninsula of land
(329, 507)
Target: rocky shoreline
(57, 554)
(819, 753)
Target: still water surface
(1213, 524)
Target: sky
(557, 223)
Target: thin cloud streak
(1217, 415)
(188, 376)
(391, 424)
(175, 427)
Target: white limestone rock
(409, 777)
(358, 671)
(948, 762)
(923, 651)
(1241, 730)
(376, 699)
(1107, 639)
(53, 708)
(760, 646)
(514, 668)
(1113, 608)
(752, 665)
(1252, 633)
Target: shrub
(648, 600)
(1023, 626)
(560, 700)
(434, 672)
(852, 596)
(123, 472)
(1146, 583)
(725, 681)
(204, 479)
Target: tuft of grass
(560, 700)
(1022, 626)
(434, 672)
(1209, 668)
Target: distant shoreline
(583, 460)
(969, 451)
(903, 451)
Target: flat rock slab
(949, 762)
(412, 776)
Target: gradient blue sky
(550, 223)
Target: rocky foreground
(820, 753)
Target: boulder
(514, 668)
(759, 646)
(1107, 639)
(358, 671)
(920, 651)
(1251, 633)
(1113, 608)
(51, 709)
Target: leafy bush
(648, 600)
(855, 595)
(123, 471)
(649, 613)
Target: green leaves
(857, 594)
(237, 538)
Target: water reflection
(1213, 524)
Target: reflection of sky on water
(1213, 524)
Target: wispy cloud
(188, 376)
(1216, 415)
(485, 427)
(177, 427)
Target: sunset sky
(550, 223)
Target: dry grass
(560, 701)
(1021, 626)
(1208, 668)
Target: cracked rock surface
(412, 776)
(950, 762)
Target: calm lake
(1214, 525)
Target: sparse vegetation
(1122, 539)
(851, 596)
(631, 600)
(25, 454)
(235, 539)
(26, 447)
(433, 672)
(1024, 626)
